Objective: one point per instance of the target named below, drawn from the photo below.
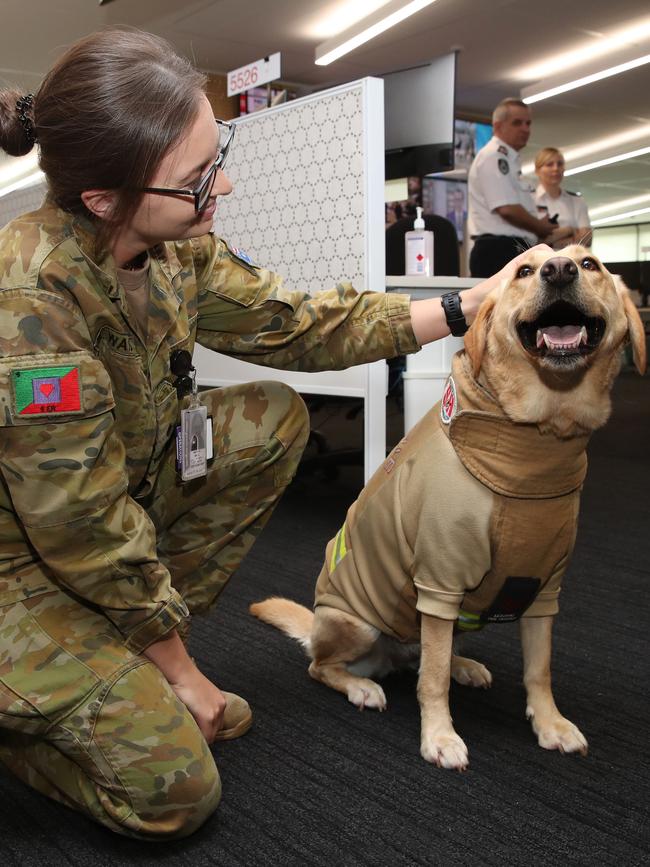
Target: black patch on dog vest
(512, 600)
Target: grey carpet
(316, 782)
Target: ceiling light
(341, 17)
(620, 217)
(599, 47)
(606, 162)
(531, 94)
(385, 18)
(622, 203)
(593, 147)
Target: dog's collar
(512, 459)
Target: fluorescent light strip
(368, 33)
(344, 16)
(607, 162)
(624, 216)
(593, 147)
(633, 35)
(587, 79)
(622, 203)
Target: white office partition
(22, 201)
(308, 180)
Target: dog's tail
(294, 620)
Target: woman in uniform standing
(565, 207)
(110, 538)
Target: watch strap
(454, 313)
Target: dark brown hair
(104, 117)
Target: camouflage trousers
(88, 723)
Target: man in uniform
(502, 212)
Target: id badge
(194, 443)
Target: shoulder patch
(243, 255)
(502, 149)
(54, 387)
(46, 390)
(449, 402)
(504, 168)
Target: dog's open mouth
(561, 333)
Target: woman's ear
(101, 203)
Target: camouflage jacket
(87, 409)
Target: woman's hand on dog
(474, 297)
(428, 318)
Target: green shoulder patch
(46, 390)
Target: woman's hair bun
(16, 123)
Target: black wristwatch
(454, 313)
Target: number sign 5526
(254, 74)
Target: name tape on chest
(42, 391)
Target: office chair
(446, 253)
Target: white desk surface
(425, 287)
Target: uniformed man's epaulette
(571, 193)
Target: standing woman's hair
(546, 154)
(104, 117)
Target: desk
(427, 370)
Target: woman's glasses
(204, 187)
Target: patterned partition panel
(299, 191)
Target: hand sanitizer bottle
(419, 249)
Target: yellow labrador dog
(471, 519)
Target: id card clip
(194, 437)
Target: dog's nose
(559, 272)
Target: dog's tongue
(560, 335)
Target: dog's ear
(635, 329)
(476, 337)
(636, 332)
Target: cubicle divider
(21, 201)
(307, 203)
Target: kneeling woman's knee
(292, 416)
(179, 802)
(164, 782)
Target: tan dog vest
(472, 517)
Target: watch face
(454, 314)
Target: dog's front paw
(366, 693)
(469, 672)
(446, 751)
(560, 734)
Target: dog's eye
(589, 265)
(525, 271)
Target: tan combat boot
(237, 718)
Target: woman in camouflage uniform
(104, 550)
